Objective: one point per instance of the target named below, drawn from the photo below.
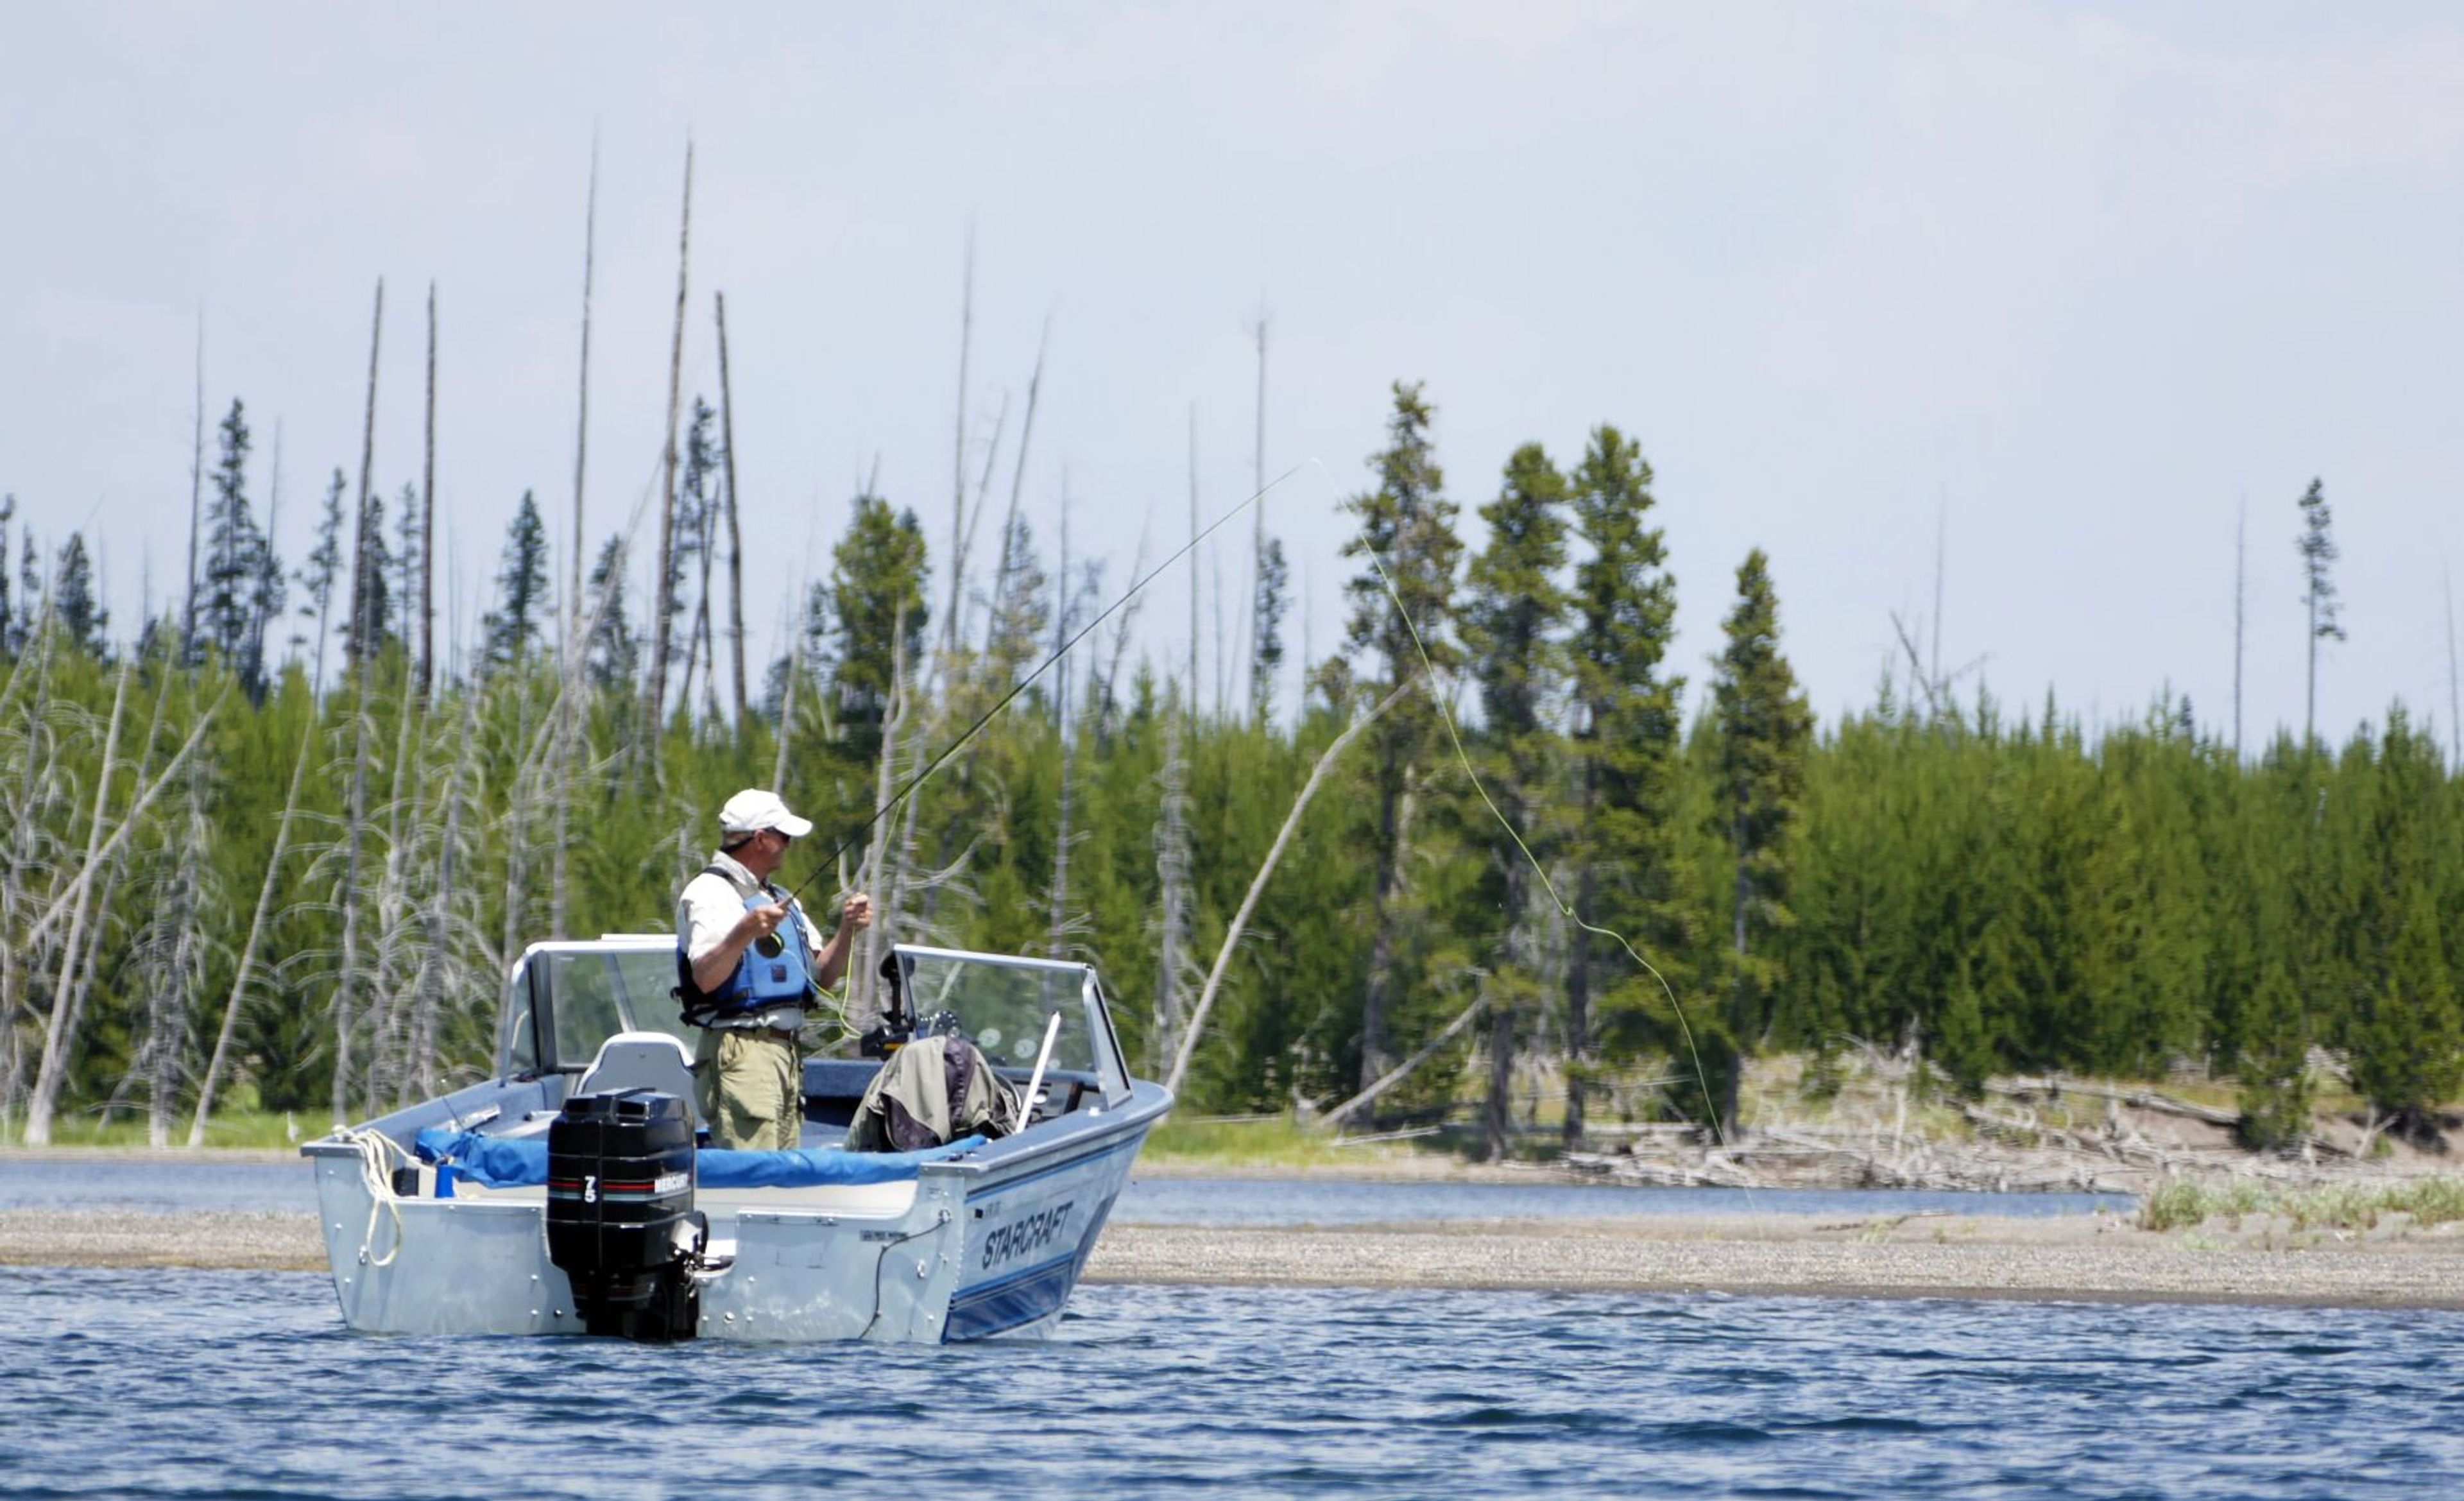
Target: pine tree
(1625, 744)
(2274, 1067)
(1022, 608)
(1762, 725)
(8, 605)
(371, 589)
(81, 615)
(512, 631)
(1513, 608)
(2410, 1055)
(408, 545)
(30, 590)
(2318, 548)
(1269, 605)
(612, 653)
(237, 558)
(2407, 1032)
(1406, 536)
(877, 594)
(696, 512)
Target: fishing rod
(830, 862)
(1376, 562)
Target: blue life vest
(776, 970)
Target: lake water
(154, 1185)
(128, 1383)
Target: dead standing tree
(425, 681)
(663, 604)
(568, 706)
(67, 993)
(735, 528)
(363, 640)
(1257, 885)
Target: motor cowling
(620, 1213)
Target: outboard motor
(620, 1216)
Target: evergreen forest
(268, 849)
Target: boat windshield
(594, 993)
(1004, 1005)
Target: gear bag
(932, 1091)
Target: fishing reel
(897, 1028)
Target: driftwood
(2136, 1100)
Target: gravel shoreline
(2073, 1258)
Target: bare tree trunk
(787, 703)
(957, 624)
(1578, 986)
(903, 869)
(1495, 1123)
(734, 530)
(1257, 883)
(196, 500)
(1018, 476)
(664, 592)
(355, 834)
(172, 1005)
(1260, 693)
(421, 1076)
(1402, 1070)
(568, 705)
(245, 969)
(876, 855)
(263, 604)
(59, 1033)
(84, 880)
(364, 626)
(1171, 875)
(393, 898)
(959, 530)
(29, 772)
(1194, 575)
(424, 683)
(1056, 937)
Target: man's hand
(760, 922)
(857, 915)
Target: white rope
(377, 1154)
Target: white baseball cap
(752, 811)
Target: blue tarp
(517, 1162)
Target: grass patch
(251, 1128)
(2352, 1206)
(1276, 1141)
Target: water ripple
(130, 1384)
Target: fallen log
(2137, 1099)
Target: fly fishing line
(1454, 736)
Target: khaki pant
(750, 1085)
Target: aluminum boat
(977, 1239)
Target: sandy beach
(2100, 1257)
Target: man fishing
(749, 965)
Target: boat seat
(641, 1061)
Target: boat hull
(986, 1246)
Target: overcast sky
(2078, 283)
